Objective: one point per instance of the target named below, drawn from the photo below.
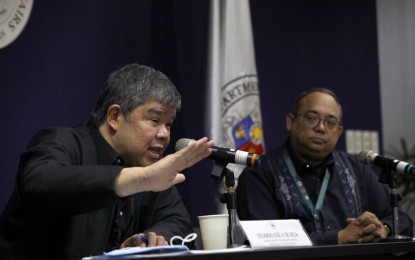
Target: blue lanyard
(315, 210)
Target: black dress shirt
(64, 205)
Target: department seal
(14, 15)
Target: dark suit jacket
(63, 204)
(270, 192)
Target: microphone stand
(229, 197)
(391, 179)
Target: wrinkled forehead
(156, 108)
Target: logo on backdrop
(241, 117)
(14, 15)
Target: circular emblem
(14, 15)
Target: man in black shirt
(85, 190)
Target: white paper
(227, 250)
(147, 250)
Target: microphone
(225, 155)
(370, 157)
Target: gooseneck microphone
(372, 158)
(225, 155)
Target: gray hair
(132, 86)
(299, 99)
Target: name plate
(275, 233)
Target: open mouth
(156, 151)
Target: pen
(142, 238)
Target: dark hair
(132, 86)
(299, 99)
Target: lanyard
(315, 210)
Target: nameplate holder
(275, 233)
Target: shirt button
(120, 213)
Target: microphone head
(182, 143)
(367, 157)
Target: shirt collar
(106, 155)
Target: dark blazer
(269, 192)
(63, 204)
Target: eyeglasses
(312, 120)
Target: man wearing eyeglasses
(338, 199)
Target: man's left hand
(144, 240)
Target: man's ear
(114, 115)
(289, 119)
(340, 131)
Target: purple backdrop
(52, 73)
